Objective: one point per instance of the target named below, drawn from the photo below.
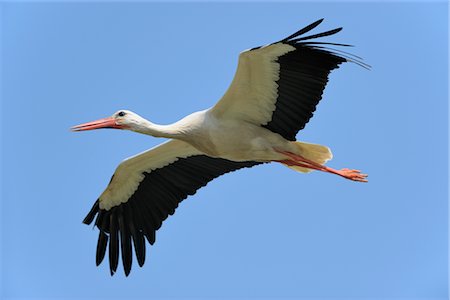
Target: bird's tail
(317, 153)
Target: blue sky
(263, 232)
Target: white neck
(149, 128)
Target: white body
(232, 139)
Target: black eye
(121, 113)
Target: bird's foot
(354, 175)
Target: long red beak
(102, 123)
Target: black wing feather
(113, 243)
(303, 30)
(156, 198)
(101, 247)
(125, 242)
(322, 34)
(303, 76)
(302, 79)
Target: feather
(303, 30)
(137, 236)
(326, 33)
(101, 247)
(113, 243)
(90, 216)
(125, 242)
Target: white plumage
(252, 94)
(129, 173)
(273, 95)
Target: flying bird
(272, 96)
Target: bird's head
(122, 119)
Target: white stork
(273, 95)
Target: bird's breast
(236, 141)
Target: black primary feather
(156, 198)
(303, 30)
(302, 79)
(101, 247)
(314, 36)
(113, 243)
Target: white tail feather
(317, 153)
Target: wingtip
(91, 214)
(141, 263)
(294, 38)
(303, 30)
(316, 23)
(318, 35)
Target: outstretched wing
(279, 85)
(144, 191)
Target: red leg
(300, 161)
(298, 164)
